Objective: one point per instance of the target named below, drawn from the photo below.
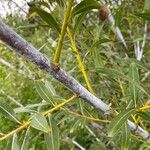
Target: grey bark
(18, 44)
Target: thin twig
(62, 34)
(81, 65)
(26, 124)
(18, 44)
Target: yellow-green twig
(77, 114)
(82, 68)
(121, 87)
(26, 124)
(62, 34)
(16, 130)
(144, 108)
(86, 117)
(60, 105)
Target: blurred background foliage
(107, 63)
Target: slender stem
(86, 117)
(26, 124)
(81, 65)
(60, 105)
(144, 108)
(16, 130)
(21, 46)
(62, 34)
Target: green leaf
(114, 73)
(52, 138)
(8, 144)
(60, 2)
(147, 5)
(118, 122)
(39, 4)
(118, 16)
(145, 16)
(50, 88)
(134, 75)
(101, 41)
(45, 90)
(98, 60)
(39, 122)
(8, 112)
(78, 22)
(48, 18)
(85, 5)
(25, 142)
(144, 115)
(125, 139)
(14, 144)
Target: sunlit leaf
(98, 61)
(52, 137)
(147, 5)
(118, 122)
(25, 143)
(8, 112)
(50, 88)
(125, 139)
(48, 18)
(79, 21)
(133, 89)
(144, 115)
(8, 144)
(38, 4)
(45, 91)
(101, 41)
(39, 122)
(118, 16)
(60, 2)
(85, 5)
(14, 144)
(114, 73)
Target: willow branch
(62, 34)
(18, 44)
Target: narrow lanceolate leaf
(39, 122)
(8, 112)
(78, 22)
(144, 115)
(25, 142)
(14, 144)
(134, 75)
(48, 18)
(45, 91)
(8, 144)
(147, 5)
(118, 122)
(50, 88)
(85, 5)
(125, 141)
(114, 73)
(145, 16)
(101, 41)
(52, 137)
(97, 58)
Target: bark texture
(18, 44)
